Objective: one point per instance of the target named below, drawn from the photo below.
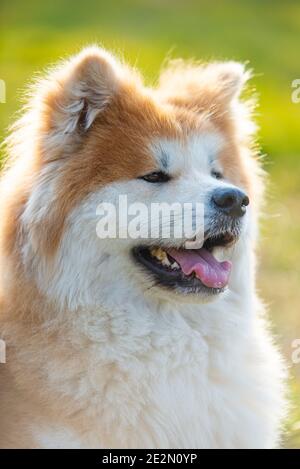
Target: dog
(134, 342)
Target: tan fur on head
(94, 114)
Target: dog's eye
(217, 174)
(156, 176)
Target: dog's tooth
(175, 265)
(161, 255)
(157, 252)
(165, 261)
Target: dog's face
(103, 136)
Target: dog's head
(95, 135)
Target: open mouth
(188, 270)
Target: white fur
(51, 437)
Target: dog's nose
(231, 201)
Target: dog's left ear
(200, 88)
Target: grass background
(265, 33)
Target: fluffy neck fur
(147, 373)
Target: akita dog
(134, 342)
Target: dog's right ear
(212, 87)
(73, 95)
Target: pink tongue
(212, 273)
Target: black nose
(233, 202)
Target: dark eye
(217, 174)
(156, 176)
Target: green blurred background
(34, 34)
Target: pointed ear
(203, 88)
(77, 91)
